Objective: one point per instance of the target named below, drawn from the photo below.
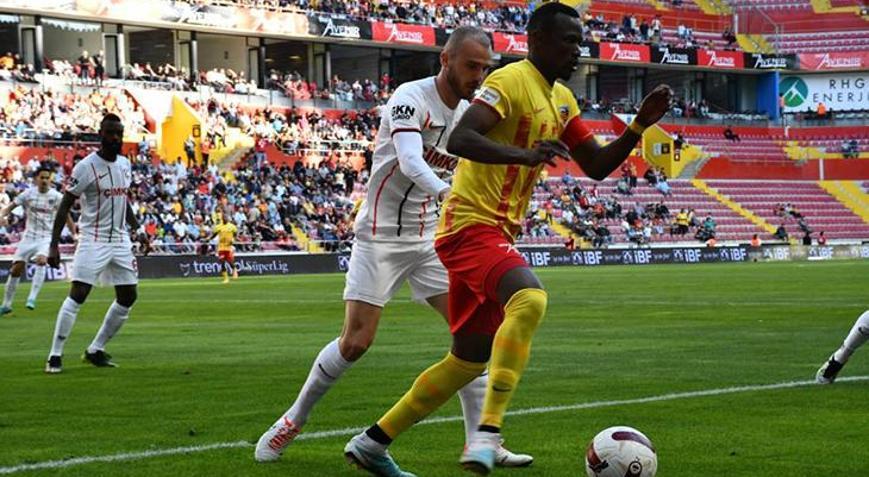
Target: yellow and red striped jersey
(531, 110)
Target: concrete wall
(69, 44)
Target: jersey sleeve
(407, 112)
(575, 132)
(496, 91)
(21, 199)
(81, 177)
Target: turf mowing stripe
(349, 431)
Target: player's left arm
(132, 221)
(4, 213)
(599, 161)
(70, 225)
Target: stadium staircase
(658, 4)
(850, 195)
(714, 7)
(823, 212)
(754, 43)
(305, 242)
(763, 224)
(238, 145)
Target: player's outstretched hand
(655, 106)
(546, 152)
(54, 256)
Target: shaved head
(466, 33)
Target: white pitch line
(349, 431)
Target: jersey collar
(538, 76)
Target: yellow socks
(429, 392)
(510, 351)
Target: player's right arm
(492, 105)
(407, 118)
(20, 199)
(79, 180)
(60, 219)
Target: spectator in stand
(682, 224)
(730, 135)
(651, 176)
(663, 186)
(803, 225)
(678, 142)
(755, 241)
(850, 149)
(822, 111)
(729, 37)
(84, 66)
(781, 233)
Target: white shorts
(106, 263)
(377, 270)
(28, 249)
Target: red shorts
(226, 255)
(476, 258)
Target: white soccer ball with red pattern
(621, 452)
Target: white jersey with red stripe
(39, 210)
(395, 208)
(102, 187)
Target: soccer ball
(621, 452)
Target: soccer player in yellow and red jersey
(521, 120)
(225, 232)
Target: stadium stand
(785, 202)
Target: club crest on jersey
(489, 96)
(564, 111)
(402, 112)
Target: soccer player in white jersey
(857, 337)
(40, 203)
(395, 231)
(101, 182)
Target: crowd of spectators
(34, 114)
(179, 206)
(294, 131)
(510, 17)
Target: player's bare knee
(472, 347)
(17, 269)
(41, 260)
(79, 292)
(354, 346)
(516, 280)
(126, 295)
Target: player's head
(111, 136)
(43, 177)
(554, 35)
(465, 60)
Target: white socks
(9, 294)
(859, 334)
(327, 368)
(38, 280)
(471, 397)
(114, 320)
(65, 319)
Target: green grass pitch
(202, 363)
